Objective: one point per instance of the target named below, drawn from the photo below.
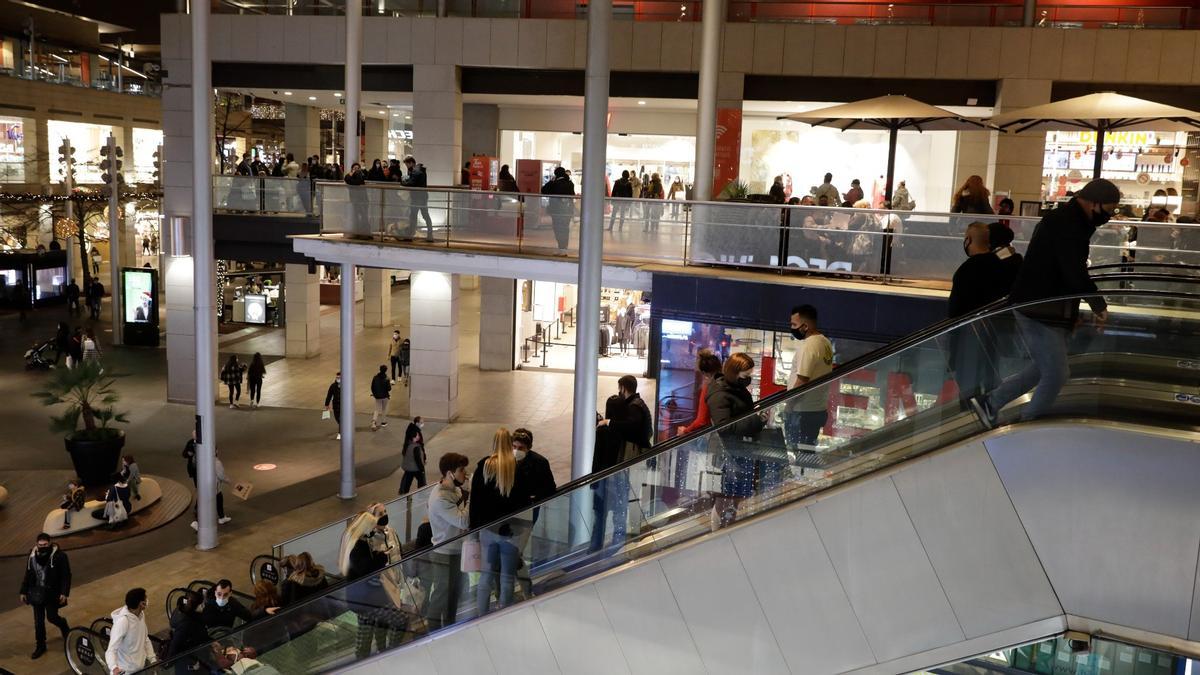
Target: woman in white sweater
(129, 648)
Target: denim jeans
(803, 427)
(1047, 371)
(611, 496)
(500, 556)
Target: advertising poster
(139, 296)
(727, 154)
(256, 308)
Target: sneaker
(393, 380)
(195, 526)
(231, 406)
(338, 438)
(37, 652)
(383, 423)
(222, 521)
(983, 410)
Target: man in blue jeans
(807, 414)
(1055, 265)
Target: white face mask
(519, 454)
(221, 602)
(420, 425)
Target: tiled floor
(287, 431)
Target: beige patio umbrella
(892, 113)
(1101, 113)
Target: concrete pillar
(377, 297)
(376, 142)
(301, 130)
(973, 152)
(302, 312)
(481, 130)
(433, 329)
(353, 82)
(1017, 162)
(437, 122)
(706, 103)
(346, 358)
(497, 304)
(468, 282)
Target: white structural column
(353, 91)
(437, 122)
(302, 312)
(497, 306)
(202, 254)
(591, 237)
(1017, 161)
(115, 241)
(713, 19)
(346, 316)
(433, 330)
(377, 297)
(301, 130)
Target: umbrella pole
(1099, 153)
(891, 166)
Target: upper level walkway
(537, 236)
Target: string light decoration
(78, 195)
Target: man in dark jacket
(622, 188)
(45, 587)
(381, 391)
(221, 609)
(978, 281)
(244, 167)
(418, 199)
(333, 402)
(533, 474)
(561, 207)
(624, 433)
(73, 297)
(1055, 264)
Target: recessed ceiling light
(641, 103)
(312, 98)
(395, 114)
(337, 94)
(287, 93)
(382, 112)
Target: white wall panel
(580, 634)
(971, 533)
(647, 622)
(714, 594)
(517, 643)
(801, 596)
(462, 652)
(1107, 512)
(884, 570)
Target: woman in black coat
(744, 470)
(187, 629)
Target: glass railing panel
(263, 195)
(646, 229)
(746, 235)
(491, 219)
(889, 407)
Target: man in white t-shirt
(813, 358)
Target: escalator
(912, 537)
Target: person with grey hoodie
(448, 518)
(129, 649)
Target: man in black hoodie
(418, 199)
(533, 472)
(381, 391)
(1055, 265)
(45, 587)
(333, 402)
(621, 188)
(561, 207)
(628, 420)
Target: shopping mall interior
(360, 336)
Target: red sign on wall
(728, 150)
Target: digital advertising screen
(256, 308)
(140, 305)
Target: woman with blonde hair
(495, 493)
(972, 197)
(386, 605)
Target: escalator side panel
(1112, 515)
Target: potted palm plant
(89, 395)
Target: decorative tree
(89, 396)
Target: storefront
(400, 132)
(546, 328)
(12, 150)
(87, 139)
(46, 271)
(670, 157)
(146, 142)
(1139, 162)
(249, 293)
(803, 154)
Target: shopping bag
(325, 414)
(116, 512)
(472, 556)
(243, 490)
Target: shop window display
(12, 150)
(1139, 162)
(87, 139)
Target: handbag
(116, 512)
(472, 556)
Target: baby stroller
(37, 357)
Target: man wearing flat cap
(1056, 264)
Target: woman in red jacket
(708, 364)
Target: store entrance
(250, 315)
(546, 328)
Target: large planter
(96, 460)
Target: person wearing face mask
(496, 492)
(1055, 265)
(129, 648)
(743, 471)
(622, 434)
(535, 475)
(979, 281)
(45, 587)
(448, 518)
(805, 415)
(188, 629)
(333, 402)
(412, 459)
(394, 356)
(368, 546)
(222, 609)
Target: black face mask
(43, 552)
(383, 520)
(1100, 217)
(966, 247)
(457, 482)
(799, 334)
(745, 381)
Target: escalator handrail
(1135, 265)
(998, 308)
(1169, 278)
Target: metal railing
(863, 12)
(892, 246)
(262, 195)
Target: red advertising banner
(728, 150)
